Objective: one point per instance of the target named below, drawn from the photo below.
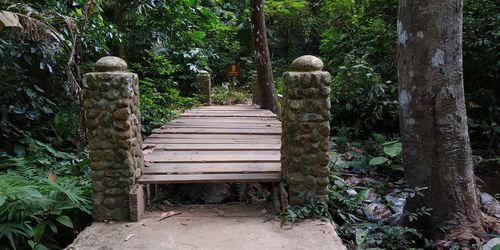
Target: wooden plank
(211, 168)
(204, 147)
(210, 141)
(209, 178)
(221, 125)
(235, 153)
(252, 131)
(212, 136)
(225, 122)
(209, 114)
(155, 157)
(237, 143)
(222, 120)
(228, 107)
(237, 112)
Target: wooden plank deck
(213, 144)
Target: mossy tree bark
(433, 120)
(262, 56)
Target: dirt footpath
(237, 226)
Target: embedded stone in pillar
(113, 123)
(306, 130)
(204, 85)
(256, 96)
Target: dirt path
(237, 226)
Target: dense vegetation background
(44, 174)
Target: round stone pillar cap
(110, 63)
(307, 63)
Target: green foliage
(361, 99)
(35, 209)
(370, 235)
(346, 205)
(313, 208)
(481, 67)
(357, 34)
(191, 34)
(223, 94)
(392, 155)
(159, 93)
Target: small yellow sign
(233, 70)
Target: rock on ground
(234, 226)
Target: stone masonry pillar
(256, 96)
(111, 102)
(306, 130)
(204, 85)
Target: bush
(361, 99)
(39, 209)
(224, 95)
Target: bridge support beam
(306, 130)
(204, 86)
(113, 123)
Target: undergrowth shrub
(37, 209)
(44, 197)
(362, 100)
(224, 95)
(160, 95)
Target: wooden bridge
(215, 144)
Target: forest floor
(229, 226)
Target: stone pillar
(256, 96)
(204, 85)
(306, 130)
(111, 102)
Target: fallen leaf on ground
(263, 211)
(52, 175)
(168, 214)
(148, 163)
(129, 236)
(148, 150)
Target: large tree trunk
(433, 120)
(262, 57)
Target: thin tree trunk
(117, 13)
(262, 56)
(433, 120)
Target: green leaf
(65, 220)
(397, 167)
(39, 231)
(378, 161)
(393, 149)
(199, 35)
(40, 247)
(2, 200)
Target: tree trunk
(433, 120)
(117, 13)
(262, 57)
